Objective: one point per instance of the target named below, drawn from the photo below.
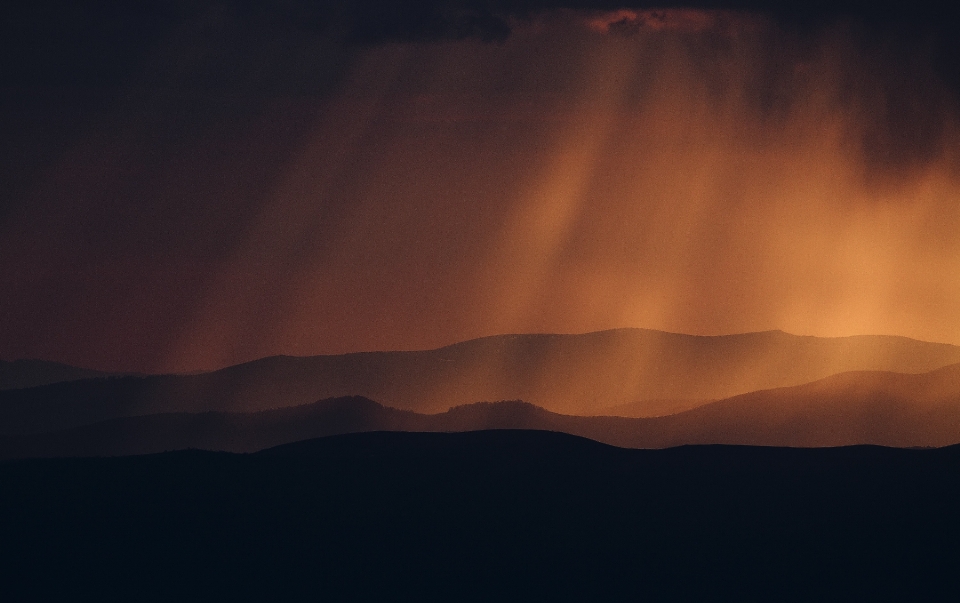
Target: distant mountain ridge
(888, 409)
(638, 372)
(20, 374)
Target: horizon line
(470, 340)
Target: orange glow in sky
(697, 172)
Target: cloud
(626, 21)
(101, 36)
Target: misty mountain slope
(68, 404)
(573, 374)
(579, 374)
(643, 409)
(234, 432)
(20, 374)
(888, 409)
(250, 432)
(880, 408)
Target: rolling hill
(881, 408)
(633, 372)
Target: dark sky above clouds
(192, 184)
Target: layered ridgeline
(625, 372)
(890, 409)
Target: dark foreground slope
(637, 372)
(496, 515)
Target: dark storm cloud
(103, 42)
(61, 60)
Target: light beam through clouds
(703, 172)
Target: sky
(188, 185)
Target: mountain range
(634, 373)
(881, 408)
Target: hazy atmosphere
(480, 300)
(188, 186)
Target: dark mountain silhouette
(879, 408)
(595, 373)
(19, 374)
(483, 516)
